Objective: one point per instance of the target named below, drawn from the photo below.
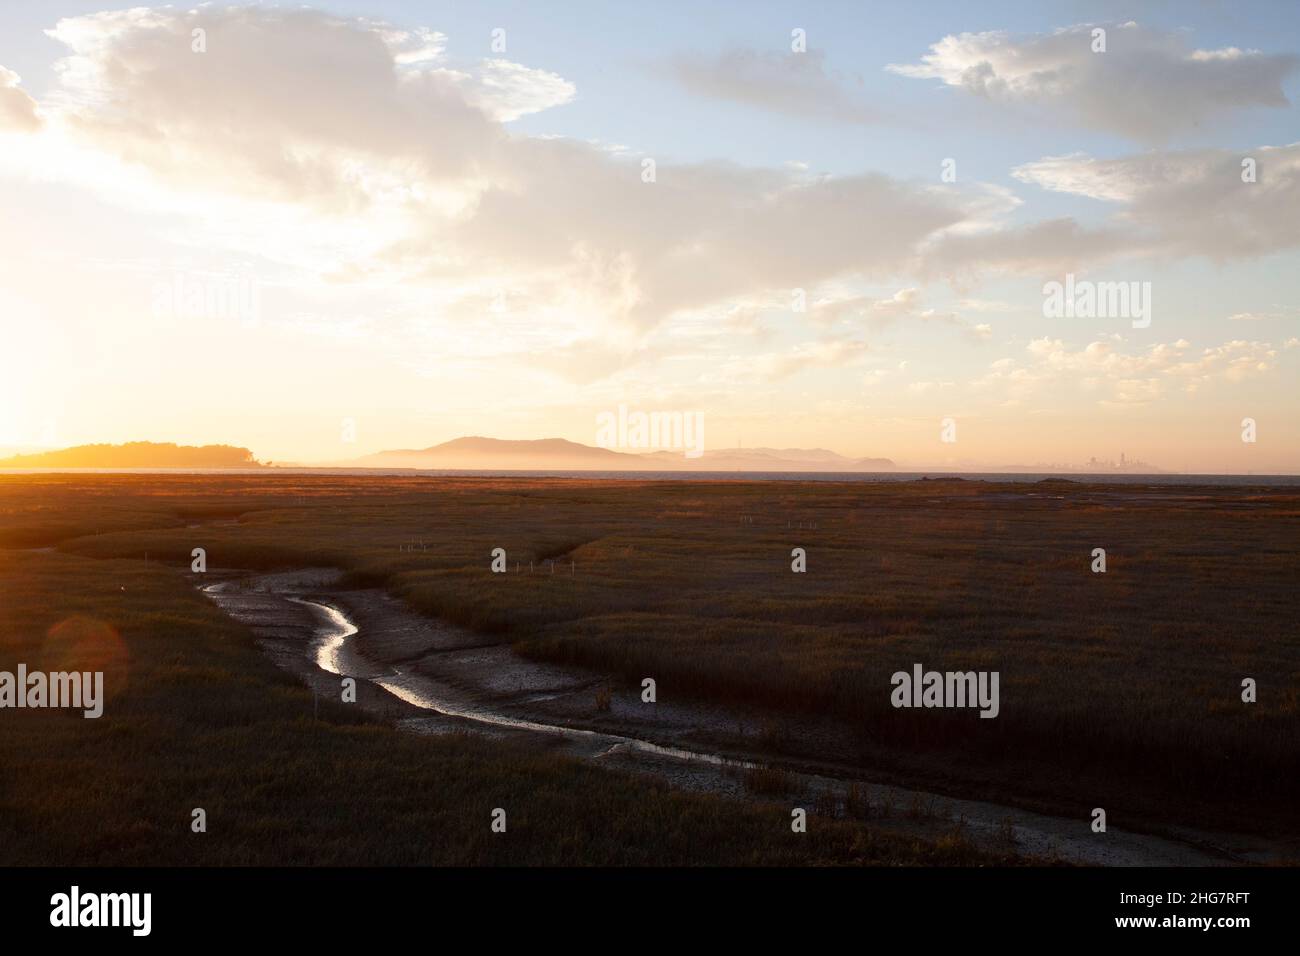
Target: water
(419, 693)
(1001, 477)
(1034, 833)
(1244, 481)
(330, 643)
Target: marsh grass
(197, 717)
(771, 781)
(1126, 683)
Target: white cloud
(1168, 204)
(371, 126)
(905, 304)
(1049, 247)
(507, 91)
(17, 109)
(360, 151)
(1148, 84)
(410, 47)
(1125, 378)
(1191, 202)
(1262, 316)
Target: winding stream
(417, 693)
(335, 645)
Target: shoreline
(1179, 480)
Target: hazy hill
(557, 454)
(136, 454)
(543, 454)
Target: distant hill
(136, 454)
(545, 454)
(558, 454)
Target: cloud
(1125, 378)
(507, 91)
(295, 105)
(371, 125)
(396, 167)
(857, 309)
(1263, 316)
(1148, 85)
(409, 47)
(1049, 247)
(1168, 205)
(17, 109)
(1191, 202)
(792, 84)
(905, 304)
(702, 233)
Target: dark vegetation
(136, 454)
(198, 717)
(1118, 689)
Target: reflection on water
(331, 642)
(407, 688)
(422, 693)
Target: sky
(322, 230)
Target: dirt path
(433, 678)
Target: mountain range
(461, 454)
(558, 454)
(476, 453)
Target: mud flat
(432, 678)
